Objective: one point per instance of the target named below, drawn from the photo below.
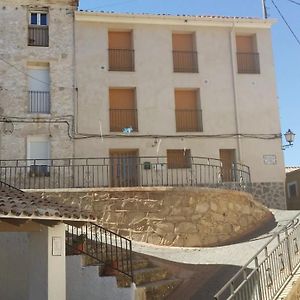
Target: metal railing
(123, 118)
(38, 35)
(188, 120)
(185, 61)
(121, 172)
(265, 274)
(248, 63)
(121, 59)
(39, 102)
(102, 246)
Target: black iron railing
(188, 120)
(185, 61)
(102, 246)
(248, 63)
(123, 118)
(38, 36)
(39, 102)
(121, 59)
(121, 172)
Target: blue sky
(286, 49)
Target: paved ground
(205, 270)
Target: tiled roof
(17, 204)
(171, 15)
(291, 169)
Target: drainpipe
(235, 92)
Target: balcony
(188, 120)
(39, 102)
(38, 36)
(185, 61)
(121, 60)
(123, 118)
(248, 63)
(123, 171)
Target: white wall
(14, 266)
(85, 283)
(29, 271)
(218, 81)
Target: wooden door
(124, 167)
(227, 157)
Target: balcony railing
(122, 172)
(38, 36)
(39, 102)
(123, 118)
(185, 61)
(121, 59)
(188, 120)
(248, 63)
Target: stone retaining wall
(173, 216)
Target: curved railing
(123, 172)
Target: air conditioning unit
(39, 171)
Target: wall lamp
(289, 137)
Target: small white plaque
(56, 246)
(270, 159)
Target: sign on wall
(270, 159)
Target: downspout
(235, 93)
(75, 90)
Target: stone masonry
(14, 16)
(173, 216)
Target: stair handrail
(102, 245)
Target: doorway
(124, 167)
(227, 157)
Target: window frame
(186, 162)
(38, 13)
(290, 184)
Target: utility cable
(295, 2)
(286, 22)
(34, 78)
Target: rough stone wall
(270, 194)
(14, 47)
(173, 216)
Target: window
(38, 33)
(188, 114)
(179, 159)
(121, 53)
(123, 112)
(292, 189)
(38, 88)
(184, 53)
(38, 154)
(247, 55)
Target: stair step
(158, 290)
(150, 274)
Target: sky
(285, 47)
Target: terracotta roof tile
(17, 204)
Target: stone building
(36, 78)
(179, 87)
(292, 187)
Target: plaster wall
(14, 266)
(218, 81)
(28, 268)
(14, 101)
(85, 283)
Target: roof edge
(164, 19)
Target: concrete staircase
(153, 281)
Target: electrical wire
(295, 2)
(34, 78)
(286, 22)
